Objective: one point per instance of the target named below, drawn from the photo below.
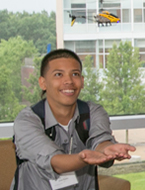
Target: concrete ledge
(124, 168)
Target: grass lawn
(137, 180)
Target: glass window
(137, 15)
(91, 4)
(109, 43)
(100, 50)
(142, 49)
(100, 46)
(143, 15)
(126, 17)
(106, 56)
(101, 65)
(139, 42)
(137, 3)
(107, 50)
(78, 5)
(67, 4)
(142, 58)
(77, 2)
(85, 46)
(69, 45)
(110, 5)
(125, 4)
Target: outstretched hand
(120, 151)
(95, 157)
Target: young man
(65, 162)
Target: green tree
(9, 104)
(92, 85)
(38, 27)
(123, 91)
(32, 94)
(12, 54)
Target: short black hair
(55, 54)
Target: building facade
(86, 37)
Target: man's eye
(58, 74)
(76, 74)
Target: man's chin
(68, 102)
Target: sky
(28, 5)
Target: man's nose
(68, 79)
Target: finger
(130, 148)
(123, 156)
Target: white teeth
(68, 91)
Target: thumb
(82, 155)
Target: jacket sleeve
(32, 143)
(100, 130)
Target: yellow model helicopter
(104, 17)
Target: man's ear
(42, 83)
(82, 82)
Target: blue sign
(48, 48)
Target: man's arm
(105, 151)
(64, 162)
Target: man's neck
(63, 114)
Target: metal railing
(117, 123)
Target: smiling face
(62, 81)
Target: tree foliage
(9, 104)
(22, 35)
(123, 92)
(37, 27)
(92, 86)
(12, 55)
(32, 94)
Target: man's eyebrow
(61, 70)
(57, 70)
(76, 70)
